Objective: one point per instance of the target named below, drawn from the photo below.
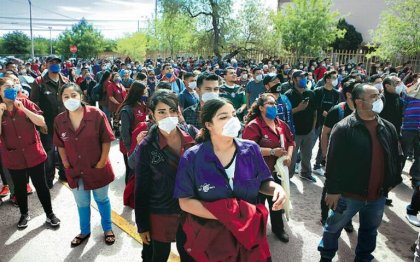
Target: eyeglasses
(270, 103)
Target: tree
(16, 42)
(306, 27)
(41, 46)
(352, 38)
(110, 45)
(398, 31)
(133, 45)
(214, 17)
(88, 40)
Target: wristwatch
(272, 152)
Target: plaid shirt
(192, 115)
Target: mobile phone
(306, 99)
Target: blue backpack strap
(341, 108)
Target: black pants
(37, 174)
(2, 175)
(53, 159)
(128, 171)
(159, 251)
(276, 217)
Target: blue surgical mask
(54, 68)
(10, 93)
(168, 75)
(143, 99)
(271, 112)
(302, 83)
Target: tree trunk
(216, 30)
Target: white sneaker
(319, 172)
(413, 220)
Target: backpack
(97, 93)
(341, 108)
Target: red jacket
(239, 234)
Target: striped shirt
(411, 119)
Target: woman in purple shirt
(222, 166)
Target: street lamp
(30, 20)
(50, 27)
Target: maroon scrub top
(84, 147)
(258, 131)
(116, 91)
(21, 144)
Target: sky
(114, 18)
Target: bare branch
(199, 13)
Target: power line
(142, 18)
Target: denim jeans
(82, 198)
(370, 216)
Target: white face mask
(168, 124)
(379, 87)
(72, 104)
(335, 82)
(399, 89)
(244, 76)
(232, 127)
(377, 106)
(192, 85)
(209, 96)
(259, 78)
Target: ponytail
(203, 135)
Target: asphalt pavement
(39, 242)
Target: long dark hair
(208, 111)
(255, 111)
(104, 77)
(136, 91)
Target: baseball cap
(53, 57)
(269, 78)
(299, 73)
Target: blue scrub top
(201, 176)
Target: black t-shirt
(324, 101)
(303, 120)
(333, 116)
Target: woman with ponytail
(214, 177)
(275, 140)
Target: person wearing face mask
(233, 92)
(376, 81)
(304, 116)
(132, 111)
(22, 153)
(188, 97)
(83, 137)
(393, 103)
(254, 87)
(287, 85)
(157, 212)
(325, 98)
(126, 79)
(244, 78)
(207, 89)
(275, 140)
(363, 164)
(320, 70)
(87, 86)
(168, 75)
(99, 74)
(284, 107)
(45, 94)
(116, 94)
(217, 184)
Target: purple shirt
(201, 176)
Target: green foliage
(110, 45)
(16, 42)
(41, 46)
(352, 38)
(398, 31)
(306, 27)
(88, 40)
(133, 45)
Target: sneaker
(53, 220)
(413, 220)
(316, 167)
(4, 191)
(308, 177)
(318, 171)
(14, 201)
(29, 189)
(23, 221)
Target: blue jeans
(82, 198)
(370, 216)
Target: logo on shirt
(64, 136)
(156, 157)
(206, 188)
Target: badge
(233, 95)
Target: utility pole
(50, 27)
(138, 26)
(32, 38)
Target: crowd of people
(207, 142)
